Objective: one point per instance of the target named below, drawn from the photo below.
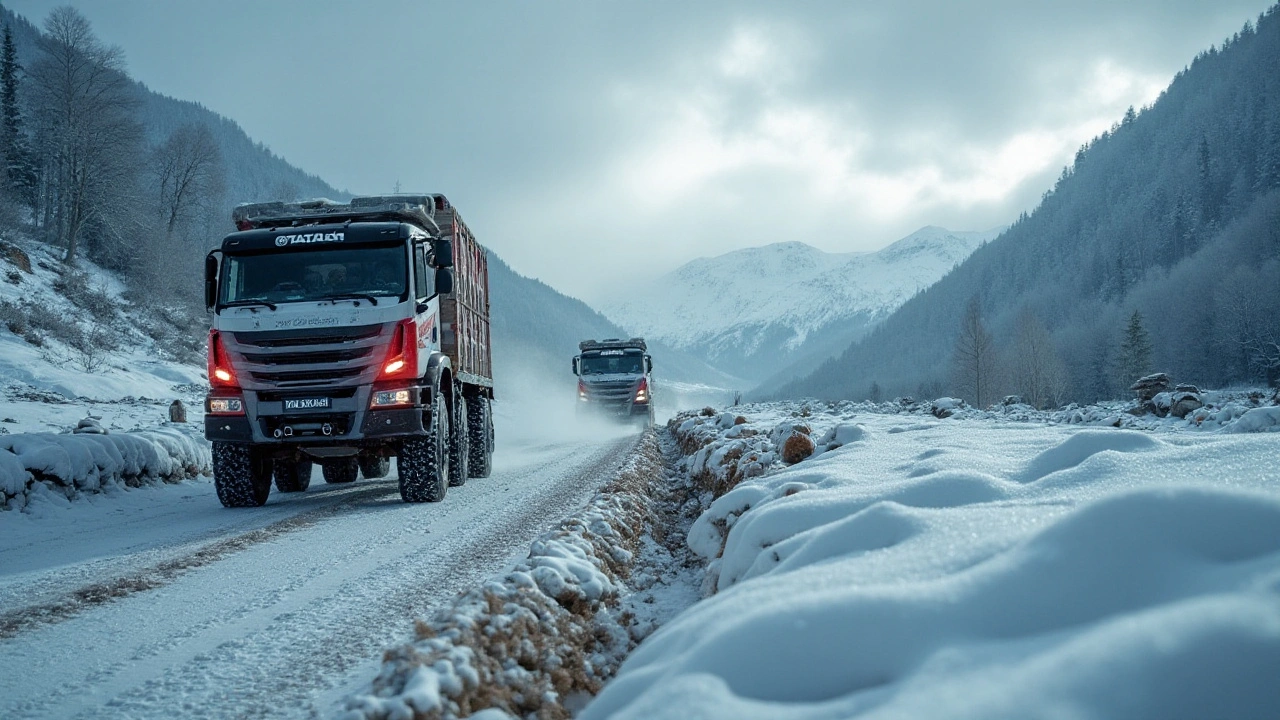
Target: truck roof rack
(417, 209)
(612, 343)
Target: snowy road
(183, 608)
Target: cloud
(852, 127)
(594, 144)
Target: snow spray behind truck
(348, 334)
(613, 378)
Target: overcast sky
(596, 144)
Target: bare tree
(1250, 323)
(1035, 368)
(975, 356)
(89, 135)
(189, 177)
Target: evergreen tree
(8, 93)
(1135, 351)
(1268, 175)
(17, 160)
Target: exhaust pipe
(278, 433)
(326, 429)
(288, 431)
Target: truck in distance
(614, 378)
(347, 334)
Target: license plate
(307, 404)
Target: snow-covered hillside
(69, 337)
(751, 312)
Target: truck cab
(614, 379)
(347, 334)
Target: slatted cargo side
(465, 312)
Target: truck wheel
(480, 438)
(424, 460)
(459, 455)
(292, 475)
(340, 470)
(241, 475)
(373, 467)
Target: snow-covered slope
(70, 339)
(751, 312)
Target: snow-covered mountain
(754, 312)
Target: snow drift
(974, 568)
(62, 466)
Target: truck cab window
(309, 275)
(424, 282)
(612, 364)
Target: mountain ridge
(754, 311)
(1167, 220)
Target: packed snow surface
(977, 566)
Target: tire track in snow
(88, 596)
(331, 643)
(287, 649)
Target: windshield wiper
(248, 302)
(350, 296)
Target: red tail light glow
(402, 356)
(221, 373)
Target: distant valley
(782, 309)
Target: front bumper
(347, 422)
(614, 410)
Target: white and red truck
(348, 334)
(614, 379)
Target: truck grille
(612, 393)
(308, 376)
(320, 336)
(294, 358)
(313, 358)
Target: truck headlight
(226, 406)
(391, 398)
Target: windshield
(630, 364)
(294, 275)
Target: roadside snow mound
(61, 467)
(1263, 419)
(548, 632)
(973, 567)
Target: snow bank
(549, 631)
(1263, 419)
(974, 569)
(61, 467)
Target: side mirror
(575, 366)
(648, 364)
(210, 281)
(443, 251)
(444, 281)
